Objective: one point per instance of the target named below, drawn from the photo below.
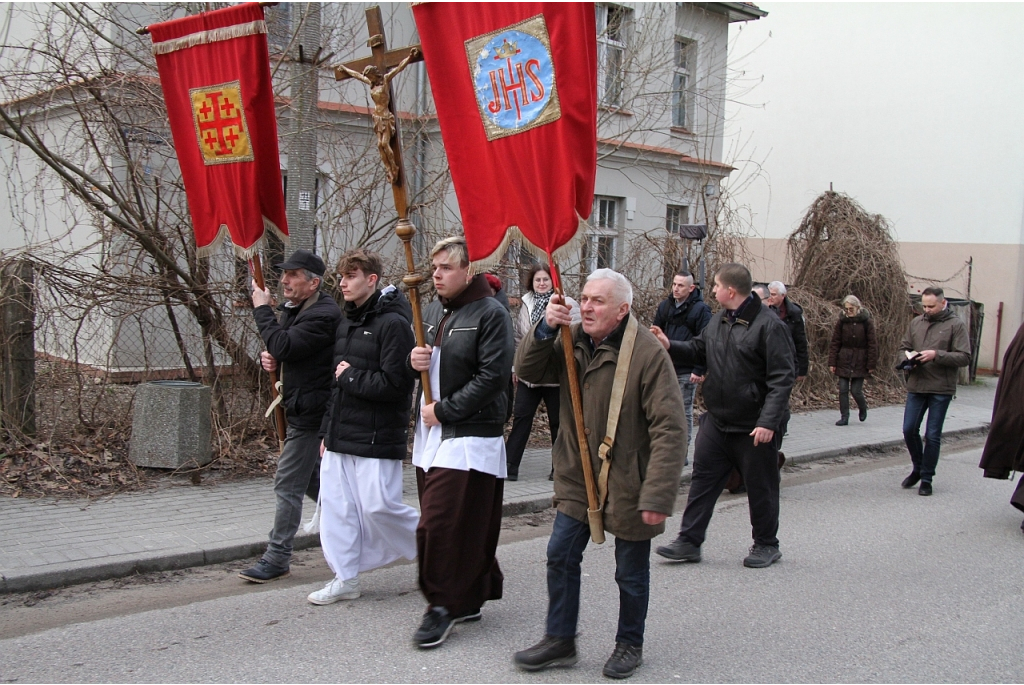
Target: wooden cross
(388, 63)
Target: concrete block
(171, 425)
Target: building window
(599, 248)
(612, 29)
(676, 216)
(682, 100)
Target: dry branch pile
(838, 250)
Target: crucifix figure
(377, 71)
(383, 119)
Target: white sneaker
(335, 590)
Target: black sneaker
(843, 422)
(471, 616)
(911, 480)
(434, 629)
(624, 661)
(680, 550)
(548, 653)
(762, 556)
(863, 415)
(263, 572)
(925, 490)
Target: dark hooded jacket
(683, 323)
(750, 367)
(1004, 446)
(368, 415)
(792, 315)
(474, 332)
(301, 343)
(853, 351)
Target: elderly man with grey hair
(643, 467)
(793, 316)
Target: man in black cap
(301, 347)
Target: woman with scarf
(528, 395)
(853, 356)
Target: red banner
(215, 72)
(515, 86)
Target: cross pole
(384, 60)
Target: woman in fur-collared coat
(853, 355)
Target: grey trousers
(298, 473)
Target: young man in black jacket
(459, 450)
(682, 316)
(748, 353)
(300, 346)
(363, 522)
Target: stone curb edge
(71, 574)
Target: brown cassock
(1004, 447)
(457, 537)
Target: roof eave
(735, 11)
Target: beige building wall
(997, 275)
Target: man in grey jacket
(935, 346)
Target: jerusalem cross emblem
(220, 123)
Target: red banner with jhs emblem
(215, 72)
(515, 86)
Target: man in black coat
(682, 316)
(363, 522)
(793, 316)
(459, 448)
(749, 357)
(299, 346)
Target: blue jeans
(569, 538)
(688, 389)
(298, 473)
(924, 455)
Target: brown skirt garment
(457, 537)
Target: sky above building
(913, 109)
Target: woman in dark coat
(853, 355)
(1004, 447)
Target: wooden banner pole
(257, 274)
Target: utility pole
(300, 197)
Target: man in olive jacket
(934, 348)
(646, 459)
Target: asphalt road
(876, 584)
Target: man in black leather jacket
(459, 451)
(299, 345)
(748, 353)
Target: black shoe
(911, 480)
(512, 476)
(263, 572)
(863, 416)
(925, 490)
(471, 616)
(782, 460)
(549, 652)
(624, 661)
(762, 556)
(680, 550)
(844, 421)
(434, 629)
(738, 490)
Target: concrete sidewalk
(47, 543)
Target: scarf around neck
(540, 303)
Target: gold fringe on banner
(565, 252)
(245, 253)
(212, 36)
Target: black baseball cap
(304, 259)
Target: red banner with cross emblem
(215, 72)
(515, 86)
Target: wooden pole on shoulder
(595, 512)
(257, 275)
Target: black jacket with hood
(474, 332)
(368, 414)
(750, 367)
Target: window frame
(611, 86)
(602, 240)
(683, 70)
